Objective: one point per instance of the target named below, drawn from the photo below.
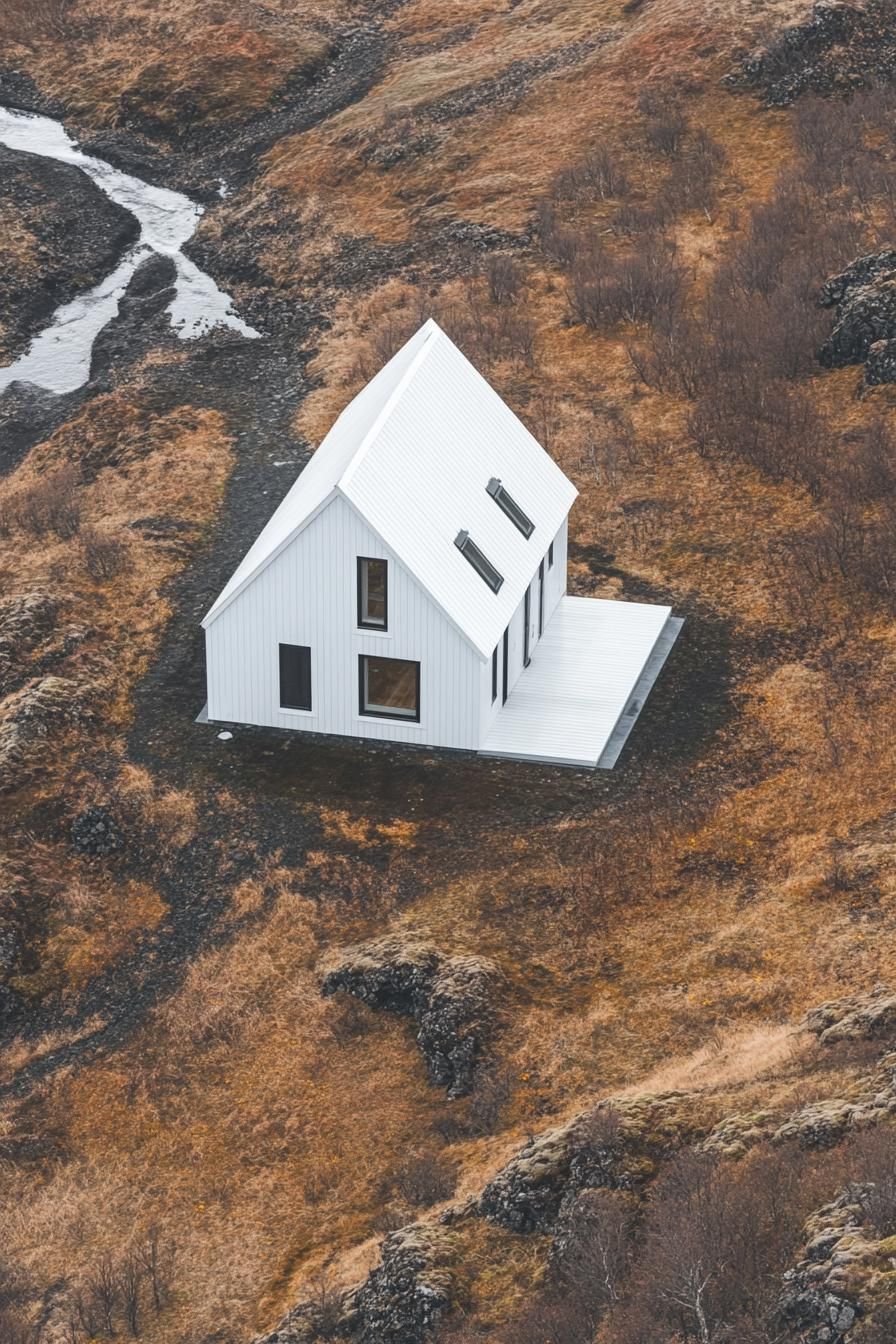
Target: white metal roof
(413, 453)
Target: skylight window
(483, 567)
(506, 502)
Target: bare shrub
(880, 1329)
(104, 1293)
(598, 176)
(51, 505)
(597, 1251)
(871, 1163)
(425, 1178)
(693, 181)
(644, 285)
(717, 1238)
(155, 1255)
(665, 124)
(327, 1306)
(504, 278)
(106, 554)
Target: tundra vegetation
(571, 1078)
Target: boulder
(615, 1146)
(840, 46)
(451, 999)
(43, 706)
(400, 1301)
(96, 832)
(867, 1016)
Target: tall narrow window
(372, 594)
(551, 556)
(494, 674)
(506, 650)
(483, 566)
(541, 599)
(505, 501)
(527, 620)
(295, 676)
(389, 688)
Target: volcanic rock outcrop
(451, 999)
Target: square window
(372, 594)
(389, 687)
(295, 676)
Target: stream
(58, 359)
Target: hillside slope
(625, 214)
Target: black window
(551, 556)
(483, 567)
(389, 688)
(494, 674)
(372, 593)
(506, 643)
(506, 502)
(541, 599)
(295, 676)
(527, 619)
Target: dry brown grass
(643, 950)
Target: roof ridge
(433, 331)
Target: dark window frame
(396, 716)
(509, 507)
(303, 674)
(494, 674)
(551, 556)
(541, 599)
(506, 650)
(527, 621)
(372, 625)
(478, 560)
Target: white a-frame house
(412, 587)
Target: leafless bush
(880, 1329)
(51, 505)
(425, 1178)
(665, 125)
(106, 555)
(504, 278)
(643, 285)
(598, 176)
(155, 1255)
(693, 181)
(104, 1293)
(598, 1250)
(327, 1306)
(871, 1162)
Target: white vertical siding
(307, 596)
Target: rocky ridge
(864, 296)
(839, 47)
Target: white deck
(579, 697)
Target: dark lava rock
(77, 237)
(155, 274)
(839, 47)
(880, 366)
(96, 832)
(818, 1302)
(865, 298)
(400, 1302)
(857, 1017)
(615, 1146)
(19, 91)
(450, 999)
